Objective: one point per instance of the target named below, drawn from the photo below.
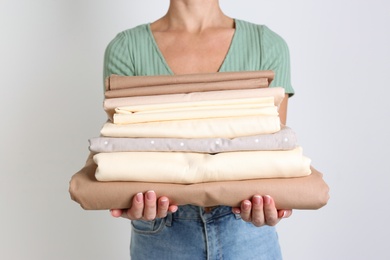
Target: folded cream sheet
(234, 103)
(188, 168)
(111, 103)
(229, 127)
(195, 110)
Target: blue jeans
(191, 233)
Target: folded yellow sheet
(202, 104)
(188, 168)
(230, 127)
(111, 103)
(193, 114)
(310, 192)
(195, 110)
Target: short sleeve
(276, 57)
(117, 58)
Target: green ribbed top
(134, 52)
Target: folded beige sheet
(115, 82)
(310, 192)
(230, 127)
(111, 103)
(186, 88)
(188, 168)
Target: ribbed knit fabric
(134, 52)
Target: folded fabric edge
(109, 104)
(193, 78)
(208, 145)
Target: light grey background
(51, 55)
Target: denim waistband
(191, 212)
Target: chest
(188, 53)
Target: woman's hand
(261, 211)
(146, 206)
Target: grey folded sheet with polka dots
(285, 139)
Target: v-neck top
(134, 52)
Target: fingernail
(257, 199)
(247, 205)
(267, 199)
(284, 214)
(174, 209)
(163, 201)
(150, 195)
(139, 197)
(236, 211)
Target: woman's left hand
(261, 210)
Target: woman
(195, 36)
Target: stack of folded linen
(196, 130)
(200, 139)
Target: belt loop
(168, 219)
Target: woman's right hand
(146, 206)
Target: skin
(194, 37)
